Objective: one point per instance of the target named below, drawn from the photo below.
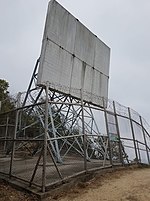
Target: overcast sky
(124, 25)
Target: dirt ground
(7, 193)
(132, 184)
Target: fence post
(144, 139)
(107, 130)
(83, 126)
(13, 144)
(45, 142)
(133, 135)
(138, 151)
(118, 132)
(6, 132)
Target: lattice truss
(65, 124)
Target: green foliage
(6, 101)
(3, 89)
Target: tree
(6, 102)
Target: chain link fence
(78, 139)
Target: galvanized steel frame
(47, 105)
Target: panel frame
(80, 49)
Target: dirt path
(131, 184)
(126, 185)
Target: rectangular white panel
(75, 79)
(60, 26)
(84, 44)
(102, 57)
(88, 79)
(73, 59)
(96, 85)
(104, 86)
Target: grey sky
(122, 25)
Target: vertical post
(105, 154)
(144, 139)
(107, 130)
(57, 151)
(84, 138)
(118, 132)
(45, 141)
(138, 151)
(19, 105)
(13, 144)
(31, 82)
(133, 135)
(83, 126)
(6, 132)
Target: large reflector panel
(73, 59)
